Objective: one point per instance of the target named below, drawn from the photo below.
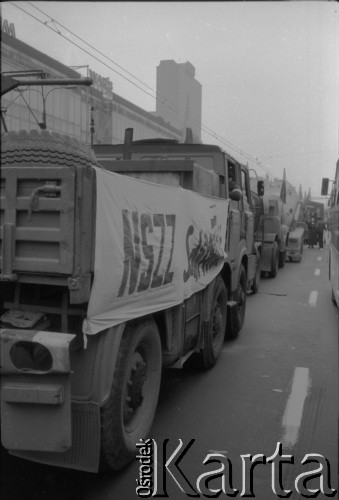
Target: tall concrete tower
(179, 96)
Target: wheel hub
(217, 322)
(135, 384)
(240, 296)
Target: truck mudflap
(84, 454)
(35, 390)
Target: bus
(333, 228)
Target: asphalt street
(276, 383)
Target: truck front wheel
(282, 258)
(256, 279)
(127, 415)
(214, 334)
(235, 323)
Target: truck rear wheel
(275, 260)
(256, 279)
(235, 324)
(282, 258)
(214, 335)
(127, 415)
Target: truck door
(247, 218)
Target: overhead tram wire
(92, 47)
(299, 154)
(81, 48)
(57, 31)
(170, 105)
(239, 151)
(158, 97)
(206, 129)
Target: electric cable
(206, 129)
(169, 105)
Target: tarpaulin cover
(155, 246)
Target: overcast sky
(269, 70)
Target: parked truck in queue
(277, 228)
(109, 272)
(241, 231)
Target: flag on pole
(300, 194)
(283, 188)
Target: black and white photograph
(169, 250)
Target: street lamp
(43, 124)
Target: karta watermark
(154, 473)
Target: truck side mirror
(324, 186)
(236, 194)
(261, 188)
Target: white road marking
(318, 259)
(312, 300)
(294, 407)
(317, 272)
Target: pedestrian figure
(320, 227)
(312, 233)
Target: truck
(109, 273)
(275, 234)
(313, 209)
(332, 223)
(243, 250)
(282, 238)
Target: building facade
(66, 110)
(92, 114)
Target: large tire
(214, 335)
(333, 298)
(256, 279)
(128, 413)
(275, 260)
(235, 325)
(282, 258)
(42, 148)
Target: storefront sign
(100, 83)
(7, 27)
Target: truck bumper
(35, 390)
(84, 453)
(293, 254)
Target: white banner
(155, 246)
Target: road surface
(276, 383)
